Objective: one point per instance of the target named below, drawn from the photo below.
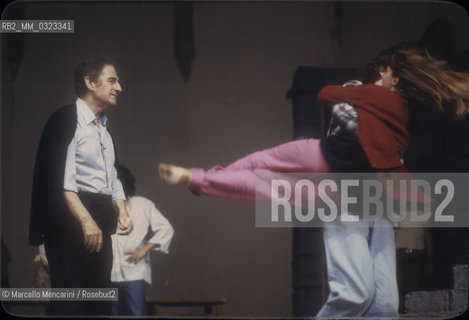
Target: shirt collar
(87, 115)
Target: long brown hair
(424, 80)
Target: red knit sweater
(382, 122)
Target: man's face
(387, 79)
(107, 87)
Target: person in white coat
(131, 268)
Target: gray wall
(233, 104)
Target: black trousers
(410, 273)
(72, 266)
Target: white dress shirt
(150, 226)
(90, 157)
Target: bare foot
(174, 174)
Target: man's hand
(125, 224)
(137, 255)
(93, 236)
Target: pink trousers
(238, 180)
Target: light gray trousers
(361, 269)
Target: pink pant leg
(295, 156)
(238, 180)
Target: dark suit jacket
(47, 201)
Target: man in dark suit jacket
(77, 197)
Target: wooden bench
(212, 307)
